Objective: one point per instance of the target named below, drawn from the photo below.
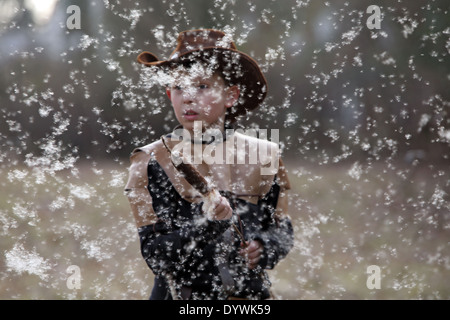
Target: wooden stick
(189, 172)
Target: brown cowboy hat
(237, 67)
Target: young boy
(212, 239)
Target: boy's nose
(189, 95)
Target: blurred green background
(364, 125)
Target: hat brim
(249, 77)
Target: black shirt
(183, 249)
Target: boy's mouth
(190, 114)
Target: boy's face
(201, 96)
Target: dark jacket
(192, 256)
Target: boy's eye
(203, 86)
(177, 87)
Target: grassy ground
(351, 217)
(346, 218)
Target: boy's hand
(222, 209)
(252, 252)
